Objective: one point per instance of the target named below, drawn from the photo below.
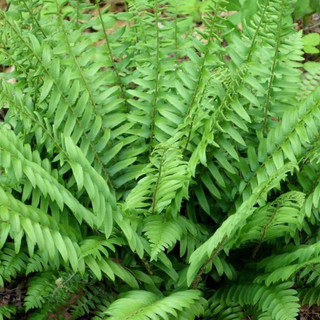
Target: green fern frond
(310, 296)
(38, 228)
(102, 199)
(276, 219)
(12, 263)
(165, 184)
(41, 262)
(279, 300)
(215, 244)
(12, 156)
(162, 233)
(220, 311)
(96, 246)
(310, 79)
(156, 149)
(6, 312)
(40, 288)
(143, 305)
(283, 266)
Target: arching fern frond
(145, 305)
(277, 219)
(103, 201)
(39, 229)
(310, 296)
(207, 251)
(13, 158)
(279, 301)
(11, 263)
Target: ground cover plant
(157, 170)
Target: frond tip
(162, 233)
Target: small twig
(61, 285)
(8, 7)
(312, 27)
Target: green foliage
(151, 169)
(147, 305)
(7, 311)
(310, 42)
(305, 8)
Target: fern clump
(154, 169)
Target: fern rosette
(154, 167)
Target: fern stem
(191, 124)
(114, 67)
(22, 110)
(274, 63)
(155, 98)
(255, 251)
(203, 61)
(76, 61)
(203, 268)
(154, 197)
(257, 30)
(78, 11)
(35, 20)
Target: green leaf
(49, 242)
(238, 108)
(94, 267)
(202, 199)
(310, 49)
(311, 39)
(35, 44)
(47, 85)
(248, 95)
(46, 55)
(60, 244)
(112, 153)
(60, 113)
(103, 265)
(78, 173)
(28, 228)
(302, 8)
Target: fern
(162, 233)
(279, 300)
(7, 311)
(144, 305)
(152, 167)
(40, 289)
